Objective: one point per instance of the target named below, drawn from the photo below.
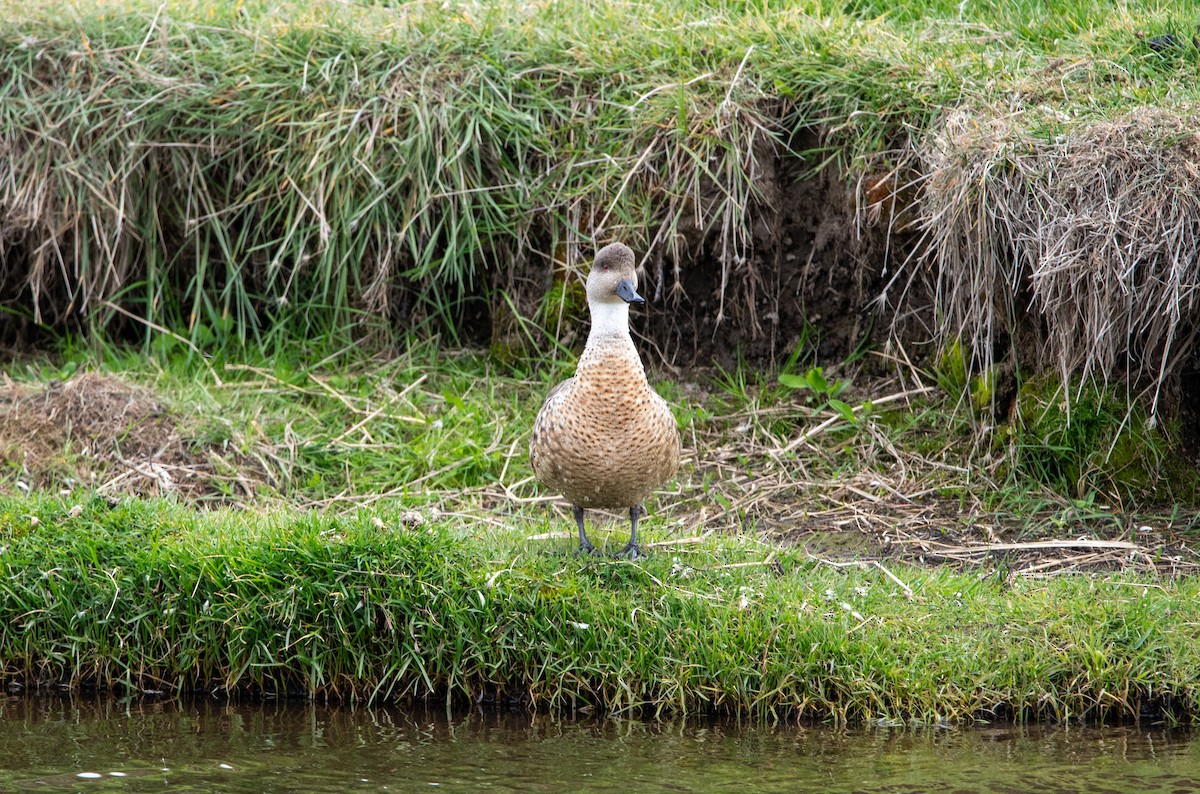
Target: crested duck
(604, 438)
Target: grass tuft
(1089, 222)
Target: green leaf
(793, 381)
(844, 410)
(816, 380)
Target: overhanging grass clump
(150, 595)
(247, 167)
(1067, 243)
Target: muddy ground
(810, 278)
(934, 531)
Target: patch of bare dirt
(809, 277)
(814, 266)
(97, 431)
(799, 262)
(936, 531)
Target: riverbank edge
(381, 606)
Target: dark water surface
(51, 744)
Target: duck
(604, 438)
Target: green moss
(505, 351)
(564, 305)
(951, 368)
(954, 376)
(983, 390)
(508, 344)
(1091, 439)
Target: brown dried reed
(1078, 241)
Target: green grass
(415, 426)
(153, 595)
(251, 170)
(424, 425)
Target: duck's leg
(632, 550)
(585, 545)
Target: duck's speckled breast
(605, 438)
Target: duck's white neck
(608, 320)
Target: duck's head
(613, 279)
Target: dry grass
(1075, 242)
(296, 169)
(902, 481)
(219, 176)
(893, 473)
(97, 431)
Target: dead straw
(1078, 243)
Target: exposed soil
(809, 277)
(97, 431)
(933, 531)
(815, 265)
(855, 497)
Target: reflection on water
(50, 744)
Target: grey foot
(585, 545)
(632, 551)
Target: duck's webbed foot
(632, 550)
(585, 545)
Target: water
(49, 744)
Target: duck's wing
(549, 407)
(558, 391)
(543, 422)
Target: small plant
(814, 380)
(954, 376)
(950, 368)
